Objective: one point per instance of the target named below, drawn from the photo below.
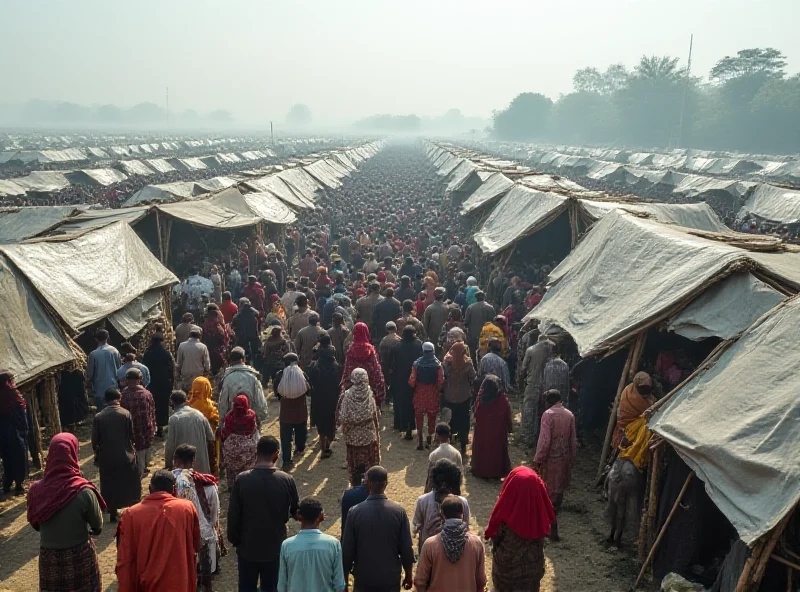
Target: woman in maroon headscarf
(239, 438)
(362, 354)
(66, 508)
(520, 520)
(216, 338)
(13, 434)
(490, 458)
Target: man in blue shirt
(101, 370)
(356, 494)
(311, 560)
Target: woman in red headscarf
(362, 354)
(60, 506)
(239, 438)
(520, 520)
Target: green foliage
(748, 105)
(299, 114)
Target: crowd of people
(375, 304)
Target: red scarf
(61, 482)
(241, 420)
(9, 397)
(523, 505)
(361, 348)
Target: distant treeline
(748, 103)
(38, 112)
(451, 122)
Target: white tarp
(520, 213)
(301, 183)
(710, 314)
(270, 208)
(628, 273)
(43, 181)
(160, 165)
(134, 167)
(324, 174)
(10, 189)
(275, 185)
(30, 340)
(737, 425)
(132, 318)
(18, 224)
(460, 175)
(97, 177)
(552, 183)
(88, 277)
(773, 203)
(699, 216)
(488, 193)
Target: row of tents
(66, 270)
(645, 270)
(765, 201)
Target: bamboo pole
(663, 528)
(167, 235)
(647, 528)
(754, 566)
(786, 562)
(160, 237)
(612, 420)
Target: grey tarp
(43, 181)
(222, 211)
(520, 213)
(160, 165)
(132, 318)
(772, 203)
(324, 174)
(710, 314)
(737, 425)
(699, 216)
(628, 273)
(10, 189)
(30, 341)
(98, 177)
(275, 185)
(301, 182)
(18, 224)
(449, 166)
(460, 175)
(270, 208)
(99, 218)
(88, 277)
(552, 183)
(492, 189)
(134, 167)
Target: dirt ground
(579, 562)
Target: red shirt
(228, 309)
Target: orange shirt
(157, 540)
(228, 310)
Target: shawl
(454, 538)
(61, 482)
(361, 348)
(213, 327)
(457, 356)
(200, 399)
(241, 420)
(491, 388)
(358, 404)
(427, 367)
(9, 397)
(277, 310)
(631, 405)
(523, 506)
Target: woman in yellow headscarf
(200, 399)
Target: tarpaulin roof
(87, 277)
(772, 203)
(275, 185)
(160, 165)
(461, 175)
(230, 209)
(134, 167)
(301, 182)
(43, 181)
(552, 183)
(189, 164)
(97, 153)
(449, 166)
(324, 173)
(99, 218)
(492, 189)
(30, 340)
(270, 208)
(131, 319)
(710, 314)
(629, 273)
(18, 224)
(101, 177)
(699, 216)
(9, 188)
(179, 190)
(737, 425)
(521, 212)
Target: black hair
(377, 474)
(101, 335)
(552, 396)
(237, 354)
(480, 296)
(443, 429)
(452, 507)
(445, 478)
(162, 480)
(112, 394)
(310, 509)
(178, 398)
(267, 446)
(186, 452)
(389, 293)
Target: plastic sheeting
(88, 277)
(710, 314)
(134, 167)
(225, 210)
(275, 185)
(737, 425)
(18, 224)
(520, 213)
(699, 216)
(460, 175)
(774, 204)
(324, 174)
(552, 183)
(628, 273)
(10, 189)
(270, 208)
(43, 181)
(301, 183)
(132, 318)
(30, 341)
(160, 165)
(491, 190)
(98, 218)
(97, 177)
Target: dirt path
(580, 562)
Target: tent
(773, 203)
(96, 177)
(324, 173)
(43, 181)
(10, 189)
(160, 165)
(629, 273)
(276, 186)
(491, 190)
(737, 424)
(301, 182)
(87, 277)
(134, 167)
(18, 224)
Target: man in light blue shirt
(128, 362)
(311, 560)
(101, 370)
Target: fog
(354, 59)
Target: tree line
(748, 103)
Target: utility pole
(685, 91)
(271, 135)
(167, 106)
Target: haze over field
(248, 63)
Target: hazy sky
(352, 58)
